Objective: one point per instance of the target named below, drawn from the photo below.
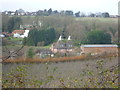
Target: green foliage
(37, 36)
(30, 53)
(5, 19)
(24, 41)
(17, 78)
(14, 23)
(106, 14)
(106, 78)
(101, 78)
(50, 11)
(77, 28)
(97, 78)
(118, 43)
(77, 14)
(98, 37)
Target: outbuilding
(99, 49)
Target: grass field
(73, 74)
(98, 18)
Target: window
(61, 45)
(70, 45)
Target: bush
(98, 37)
(30, 53)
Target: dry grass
(72, 58)
(82, 57)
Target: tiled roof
(18, 31)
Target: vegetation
(98, 37)
(47, 28)
(30, 53)
(99, 77)
(17, 79)
(14, 23)
(57, 59)
(77, 28)
(41, 37)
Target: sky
(85, 6)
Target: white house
(16, 35)
(20, 33)
(25, 34)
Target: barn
(99, 49)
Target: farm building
(99, 49)
(62, 45)
(20, 33)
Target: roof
(6, 33)
(18, 31)
(101, 45)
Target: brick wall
(99, 50)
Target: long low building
(99, 49)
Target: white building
(25, 34)
(16, 35)
(20, 33)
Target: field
(98, 19)
(68, 74)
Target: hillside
(75, 27)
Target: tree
(77, 14)
(98, 37)
(69, 12)
(112, 32)
(50, 11)
(30, 53)
(36, 36)
(92, 15)
(105, 14)
(5, 19)
(55, 12)
(32, 38)
(14, 23)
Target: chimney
(69, 38)
(60, 38)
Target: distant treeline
(49, 12)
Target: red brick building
(62, 45)
(99, 49)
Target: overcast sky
(86, 6)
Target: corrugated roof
(102, 45)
